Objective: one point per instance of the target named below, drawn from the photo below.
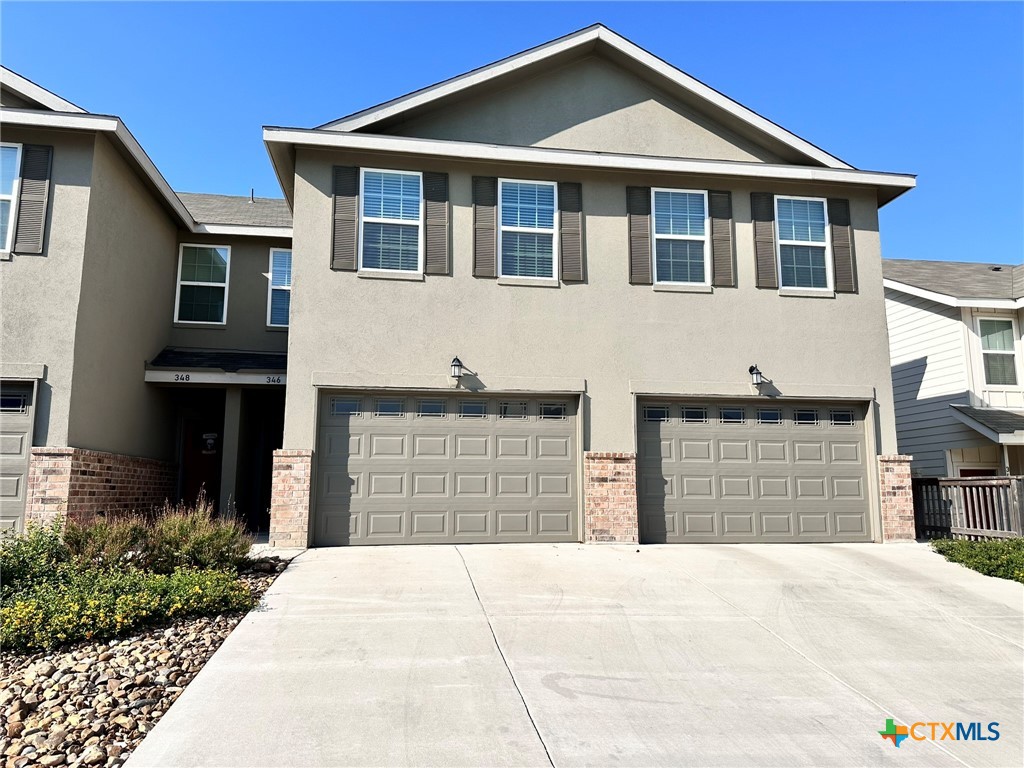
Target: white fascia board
(952, 301)
(579, 39)
(186, 376)
(242, 230)
(464, 150)
(29, 90)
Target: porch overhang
(999, 425)
(182, 366)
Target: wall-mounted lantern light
(755, 375)
(456, 368)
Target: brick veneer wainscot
(290, 497)
(84, 483)
(609, 497)
(897, 498)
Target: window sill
(278, 328)
(808, 293)
(383, 274)
(683, 288)
(535, 282)
(202, 326)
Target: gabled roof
(29, 91)
(997, 424)
(958, 283)
(596, 38)
(234, 210)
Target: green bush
(30, 557)
(180, 536)
(79, 604)
(1002, 558)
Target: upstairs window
(526, 237)
(680, 236)
(203, 284)
(10, 163)
(997, 352)
(391, 234)
(280, 297)
(803, 243)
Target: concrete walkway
(571, 655)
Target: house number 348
(181, 377)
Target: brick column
(290, 498)
(609, 497)
(82, 484)
(897, 498)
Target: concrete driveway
(572, 655)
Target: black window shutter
(570, 208)
(762, 213)
(638, 213)
(30, 231)
(485, 233)
(346, 217)
(844, 262)
(435, 197)
(723, 271)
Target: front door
(201, 446)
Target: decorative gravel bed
(92, 704)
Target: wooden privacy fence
(971, 508)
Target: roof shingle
(962, 280)
(223, 359)
(231, 209)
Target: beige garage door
(752, 472)
(445, 468)
(16, 410)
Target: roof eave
(952, 301)
(1003, 438)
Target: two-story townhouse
(142, 332)
(578, 295)
(958, 377)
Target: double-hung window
(10, 163)
(680, 236)
(391, 221)
(279, 298)
(803, 243)
(526, 237)
(203, 284)
(998, 352)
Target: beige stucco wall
(39, 295)
(604, 331)
(128, 274)
(246, 326)
(609, 110)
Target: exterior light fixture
(456, 368)
(755, 375)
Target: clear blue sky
(935, 89)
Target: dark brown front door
(202, 441)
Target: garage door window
(472, 409)
(13, 404)
(805, 417)
(431, 409)
(556, 411)
(731, 415)
(769, 416)
(693, 415)
(842, 418)
(656, 413)
(341, 406)
(389, 409)
(512, 410)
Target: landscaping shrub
(30, 557)
(113, 542)
(79, 604)
(1002, 558)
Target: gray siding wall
(127, 276)
(246, 326)
(39, 294)
(928, 352)
(603, 330)
(14, 101)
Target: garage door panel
(472, 484)
(429, 484)
(389, 446)
(553, 448)
(13, 445)
(472, 447)
(554, 485)
(380, 523)
(472, 523)
(512, 484)
(753, 472)
(426, 523)
(12, 487)
(514, 522)
(17, 414)
(429, 446)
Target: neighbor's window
(680, 236)
(280, 298)
(391, 221)
(997, 351)
(203, 284)
(527, 232)
(803, 246)
(10, 162)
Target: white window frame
(271, 288)
(556, 222)
(363, 219)
(225, 285)
(779, 242)
(13, 197)
(982, 352)
(655, 237)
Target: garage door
(444, 468)
(15, 450)
(743, 472)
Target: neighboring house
(142, 350)
(958, 379)
(609, 247)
